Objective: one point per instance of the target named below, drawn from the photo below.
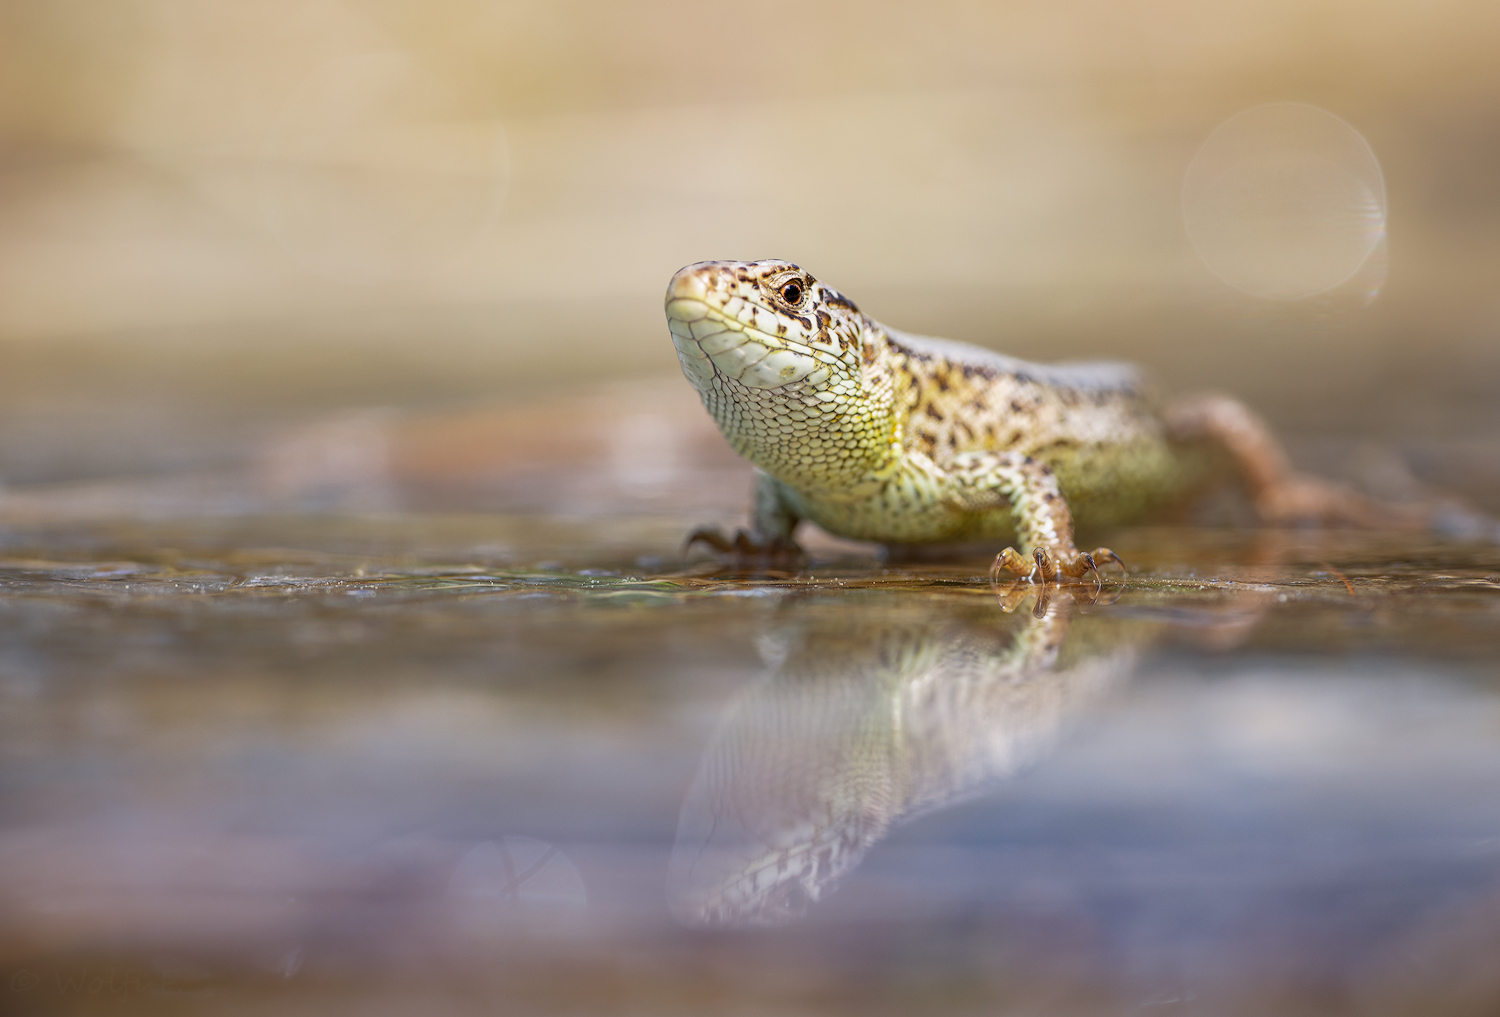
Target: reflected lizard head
(795, 788)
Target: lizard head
(784, 364)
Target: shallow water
(283, 731)
(504, 763)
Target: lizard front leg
(981, 481)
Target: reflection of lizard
(878, 435)
(860, 729)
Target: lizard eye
(792, 292)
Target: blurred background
(262, 260)
(222, 225)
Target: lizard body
(875, 434)
(1090, 425)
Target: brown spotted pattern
(877, 435)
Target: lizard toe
(744, 546)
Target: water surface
(500, 763)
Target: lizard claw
(1090, 562)
(712, 536)
(743, 545)
(1084, 562)
(1042, 563)
(1010, 560)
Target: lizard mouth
(713, 329)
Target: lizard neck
(830, 438)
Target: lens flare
(1285, 201)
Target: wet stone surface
(501, 763)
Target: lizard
(861, 727)
(880, 435)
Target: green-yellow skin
(878, 435)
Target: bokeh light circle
(1285, 201)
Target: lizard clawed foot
(1091, 560)
(1045, 565)
(743, 545)
(1010, 560)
